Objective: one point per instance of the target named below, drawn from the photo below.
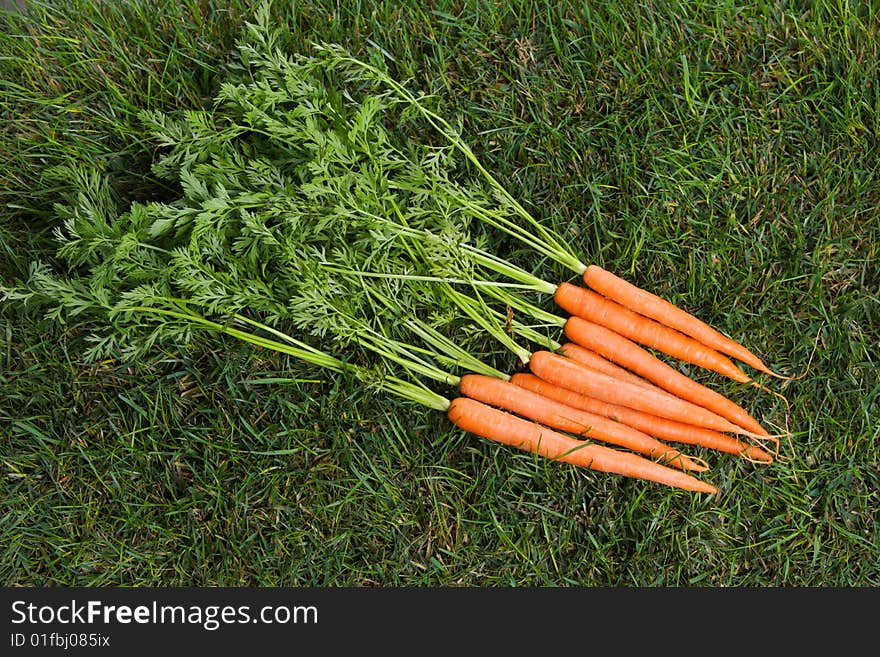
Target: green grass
(724, 157)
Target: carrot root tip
(772, 392)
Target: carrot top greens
(308, 207)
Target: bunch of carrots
(604, 385)
(579, 389)
(256, 249)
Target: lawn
(725, 157)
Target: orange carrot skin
(638, 328)
(500, 426)
(570, 374)
(630, 355)
(657, 308)
(509, 397)
(599, 363)
(652, 425)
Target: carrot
(532, 405)
(652, 425)
(627, 353)
(570, 374)
(650, 305)
(500, 426)
(599, 363)
(639, 328)
(594, 361)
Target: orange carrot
(570, 374)
(599, 363)
(630, 355)
(652, 425)
(596, 362)
(722, 442)
(650, 305)
(503, 394)
(497, 425)
(639, 328)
